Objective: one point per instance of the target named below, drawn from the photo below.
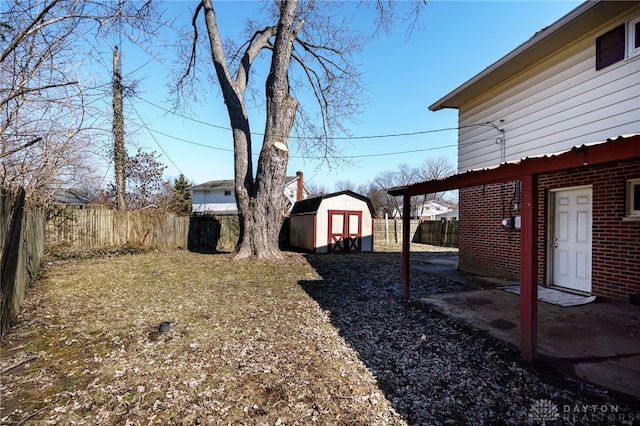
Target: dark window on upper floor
(610, 47)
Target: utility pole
(118, 131)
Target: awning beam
(526, 171)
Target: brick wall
(616, 243)
(487, 249)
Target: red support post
(529, 268)
(406, 244)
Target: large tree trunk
(266, 211)
(260, 202)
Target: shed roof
(70, 196)
(311, 205)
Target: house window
(610, 47)
(633, 198)
(633, 31)
(227, 193)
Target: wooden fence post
(10, 254)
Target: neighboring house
(341, 222)
(70, 197)
(571, 87)
(429, 210)
(217, 197)
(449, 215)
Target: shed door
(571, 250)
(345, 231)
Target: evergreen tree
(181, 201)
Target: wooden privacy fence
(390, 231)
(438, 233)
(21, 248)
(147, 228)
(102, 227)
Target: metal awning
(526, 170)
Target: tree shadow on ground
(204, 235)
(432, 368)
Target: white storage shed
(341, 222)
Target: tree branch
(24, 91)
(20, 148)
(18, 38)
(192, 56)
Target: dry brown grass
(247, 345)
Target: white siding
(302, 225)
(214, 201)
(291, 190)
(552, 107)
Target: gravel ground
(438, 371)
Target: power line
(308, 158)
(423, 132)
(392, 135)
(195, 120)
(153, 137)
(389, 153)
(188, 141)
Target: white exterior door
(571, 245)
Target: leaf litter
(313, 339)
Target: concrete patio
(597, 342)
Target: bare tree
(345, 185)
(434, 168)
(310, 48)
(316, 190)
(145, 187)
(403, 175)
(49, 128)
(144, 180)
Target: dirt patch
(312, 339)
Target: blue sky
(402, 76)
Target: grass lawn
(246, 344)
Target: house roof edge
(454, 98)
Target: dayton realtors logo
(544, 411)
